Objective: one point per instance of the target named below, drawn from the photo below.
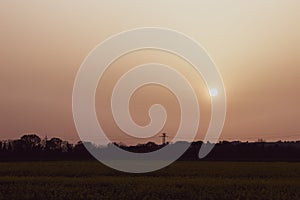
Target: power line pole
(163, 136)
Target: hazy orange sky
(256, 46)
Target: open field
(181, 180)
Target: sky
(255, 45)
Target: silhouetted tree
(54, 144)
(30, 142)
(66, 146)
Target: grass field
(181, 180)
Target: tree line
(32, 147)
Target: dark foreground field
(181, 180)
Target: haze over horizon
(255, 45)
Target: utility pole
(163, 136)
